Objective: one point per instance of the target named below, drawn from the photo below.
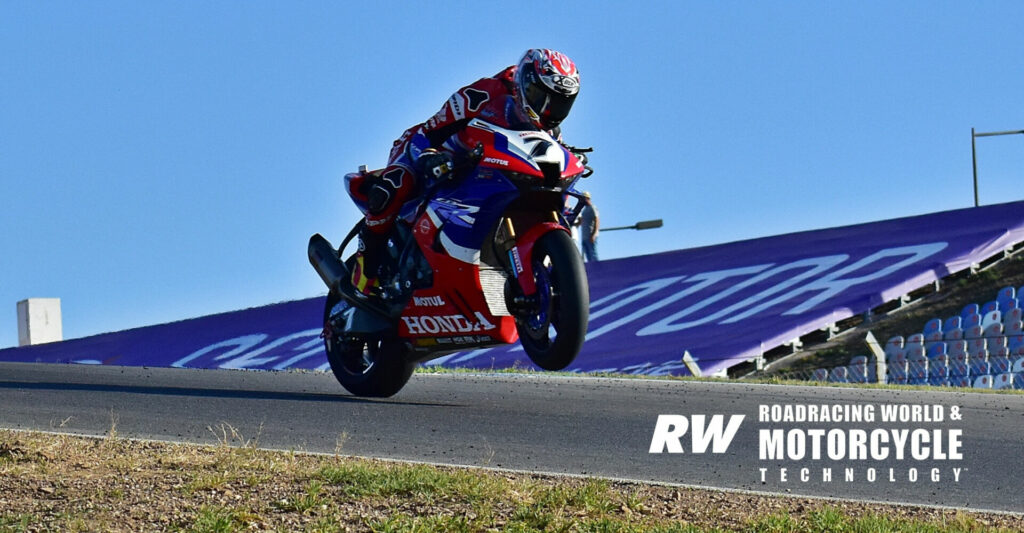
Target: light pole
(974, 154)
(643, 224)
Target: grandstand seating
(982, 347)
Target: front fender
(524, 246)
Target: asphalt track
(585, 426)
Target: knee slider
(378, 199)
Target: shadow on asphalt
(210, 393)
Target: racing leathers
(424, 151)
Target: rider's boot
(368, 262)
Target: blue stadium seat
(1013, 315)
(1018, 364)
(894, 347)
(916, 353)
(917, 372)
(857, 373)
(997, 347)
(990, 318)
(936, 350)
(1018, 380)
(969, 321)
(896, 372)
(952, 322)
(958, 369)
(1005, 306)
(1002, 381)
(957, 350)
(820, 374)
(977, 348)
(938, 373)
(998, 365)
(959, 381)
(859, 360)
(988, 307)
(974, 332)
(838, 374)
(978, 367)
(953, 334)
(969, 309)
(1006, 293)
(982, 382)
(1013, 328)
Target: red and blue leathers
(489, 98)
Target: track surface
(567, 425)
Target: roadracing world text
(804, 442)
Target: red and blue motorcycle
(479, 260)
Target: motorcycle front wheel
(552, 333)
(373, 368)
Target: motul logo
(419, 325)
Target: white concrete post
(39, 321)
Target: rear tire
(375, 368)
(554, 333)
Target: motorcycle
(479, 260)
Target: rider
(537, 93)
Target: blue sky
(160, 161)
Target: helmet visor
(551, 106)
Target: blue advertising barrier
(722, 304)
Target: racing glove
(435, 164)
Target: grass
(63, 483)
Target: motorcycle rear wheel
(563, 305)
(375, 368)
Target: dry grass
(64, 483)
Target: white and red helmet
(547, 83)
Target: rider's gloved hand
(434, 163)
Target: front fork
(519, 254)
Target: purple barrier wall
(722, 304)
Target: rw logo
(670, 429)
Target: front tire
(553, 332)
(375, 368)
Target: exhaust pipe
(325, 261)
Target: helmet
(547, 83)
